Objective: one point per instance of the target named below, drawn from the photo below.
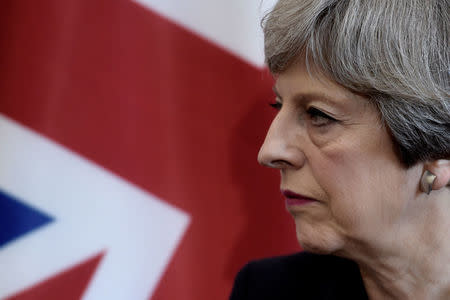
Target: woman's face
(331, 146)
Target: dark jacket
(299, 276)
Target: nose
(282, 146)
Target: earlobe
(436, 176)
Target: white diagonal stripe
(94, 211)
(232, 24)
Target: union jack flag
(128, 139)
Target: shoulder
(305, 275)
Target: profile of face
(343, 182)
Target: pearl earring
(427, 181)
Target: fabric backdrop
(128, 140)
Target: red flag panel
(68, 285)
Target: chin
(318, 239)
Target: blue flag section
(18, 219)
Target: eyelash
(315, 113)
(312, 112)
(276, 105)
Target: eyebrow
(316, 96)
(274, 89)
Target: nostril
(277, 164)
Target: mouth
(294, 199)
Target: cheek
(362, 189)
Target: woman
(362, 142)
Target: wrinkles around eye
(319, 118)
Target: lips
(293, 198)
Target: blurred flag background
(129, 132)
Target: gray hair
(395, 52)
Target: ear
(440, 168)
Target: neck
(398, 279)
(412, 261)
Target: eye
(319, 118)
(276, 105)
